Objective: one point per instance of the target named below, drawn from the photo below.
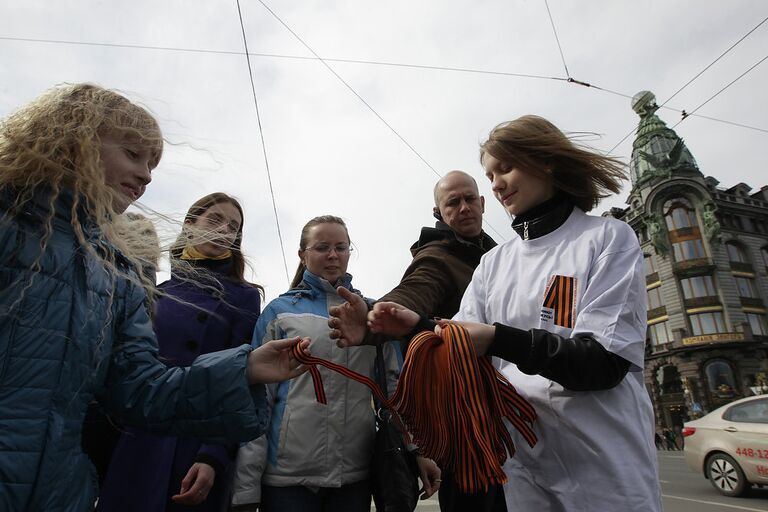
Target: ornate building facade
(706, 257)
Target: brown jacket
(441, 270)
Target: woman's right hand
(274, 361)
(392, 319)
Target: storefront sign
(713, 338)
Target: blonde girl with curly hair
(74, 325)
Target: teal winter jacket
(72, 331)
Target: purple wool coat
(146, 469)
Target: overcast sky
(328, 153)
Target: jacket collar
(314, 285)
(442, 233)
(543, 219)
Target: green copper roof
(657, 150)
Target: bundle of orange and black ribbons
(452, 403)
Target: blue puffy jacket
(71, 331)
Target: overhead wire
(685, 116)
(362, 62)
(350, 88)
(263, 143)
(714, 61)
(368, 105)
(689, 82)
(554, 30)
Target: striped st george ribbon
(452, 403)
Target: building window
(746, 287)
(689, 250)
(736, 253)
(654, 298)
(720, 378)
(659, 333)
(757, 323)
(707, 323)
(679, 214)
(699, 286)
(650, 267)
(764, 253)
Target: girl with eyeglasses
(314, 457)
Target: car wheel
(726, 475)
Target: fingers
(193, 490)
(347, 295)
(286, 343)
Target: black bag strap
(381, 376)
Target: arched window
(720, 379)
(736, 253)
(684, 231)
(679, 214)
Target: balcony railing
(693, 267)
(752, 302)
(700, 302)
(739, 266)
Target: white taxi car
(730, 445)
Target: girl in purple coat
(206, 306)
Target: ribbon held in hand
(453, 404)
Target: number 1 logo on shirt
(559, 302)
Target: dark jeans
(354, 497)
(452, 499)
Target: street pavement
(682, 490)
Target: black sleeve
(424, 324)
(578, 364)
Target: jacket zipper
(525, 231)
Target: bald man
(444, 257)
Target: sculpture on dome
(657, 150)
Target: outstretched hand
(347, 321)
(392, 319)
(274, 361)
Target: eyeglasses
(326, 249)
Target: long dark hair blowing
(323, 219)
(534, 145)
(237, 271)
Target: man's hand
(274, 361)
(196, 484)
(392, 319)
(347, 322)
(430, 476)
(482, 334)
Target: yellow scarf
(190, 253)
